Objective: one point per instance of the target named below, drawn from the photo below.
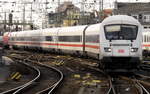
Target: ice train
(116, 42)
(146, 42)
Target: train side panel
(70, 40)
(146, 42)
(26, 39)
(50, 40)
(92, 45)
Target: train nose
(120, 49)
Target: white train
(146, 42)
(116, 40)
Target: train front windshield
(121, 32)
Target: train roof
(70, 28)
(120, 19)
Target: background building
(140, 11)
(67, 14)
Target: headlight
(134, 49)
(107, 49)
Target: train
(146, 42)
(116, 42)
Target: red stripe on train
(146, 45)
(56, 44)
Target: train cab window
(69, 38)
(121, 32)
(48, 38)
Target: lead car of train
(116, 42)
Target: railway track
(139, 85)
(134, 83)
(112, 85)
(51, 78)
(25, 83)
(144, 81)
(45, 83)
(120, 86)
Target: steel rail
(138, 85)
(111, 89)
(142, 87)
(27, 84)
(146, 61)
(50, 89)
(55, 85)
(143, 76)
(139, 82)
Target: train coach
(146, 42)
(116, 42)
